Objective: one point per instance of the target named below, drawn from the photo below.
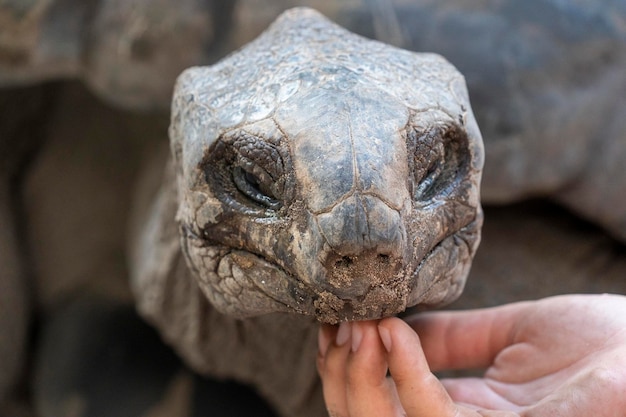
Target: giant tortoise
(314, 173)
(526, 99)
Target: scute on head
(335, 176)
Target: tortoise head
(322, 173)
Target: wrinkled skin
(324, 174)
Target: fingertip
(326, 334)
(343, 333)
(366, 362)
(420, 392)
(369, 392)
(394, 331)
(385, 337)
(403, 346)
(356, 336)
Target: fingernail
(385, 336)
(357, 336)
(323, 340)
(343, 334)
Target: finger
(370, 392)
(467, 339)
(420, 393)
(332, 369)
(325, 336)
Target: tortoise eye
(440, 160)
(427, 177)
(247, 173)
(255, 188)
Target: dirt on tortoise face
(326, 174)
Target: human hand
(560, 356)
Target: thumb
(419, 390)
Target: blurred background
(85, 89)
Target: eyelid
(258, 156)
(439, 159)
(259, 152)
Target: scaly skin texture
(324, 174)
(314, 173)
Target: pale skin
(560, 356)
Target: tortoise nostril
(354, 276)
(344, 262)
(384, 259)
(347, 262)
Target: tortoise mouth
(438, 278)
(417, 286)
(244, 283)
